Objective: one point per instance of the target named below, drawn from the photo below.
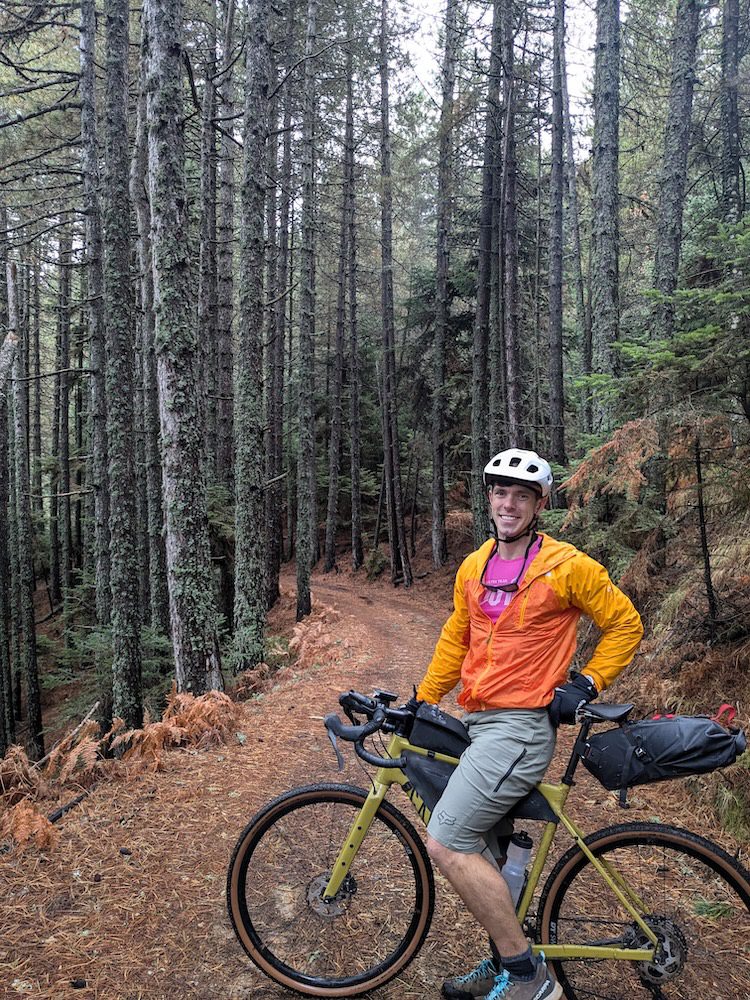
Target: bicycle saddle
(607, 713)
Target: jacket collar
(551, 554)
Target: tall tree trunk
(400, 565)
(306, 526)
(141, 465)
(7, 354)
(276, 489)
(22, 514)
(189, 573)
(157, 557)
(249, 581)
(225, 260)
(444, 216)
(55, 570)
(275, 374)
(127, 701)
(36, 407)
(731, 195)
(511, 299)
(674, 163)
(605, 203)
(556, 386)
(355, 418)
(479, 379)
(583, 316)
(98, 478)
(63, 503)
(334, 443)
(207, 326)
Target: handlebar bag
(438, 731)
(651, 750)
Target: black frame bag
(660, 749)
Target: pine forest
(278, 280)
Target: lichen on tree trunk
(191, 586)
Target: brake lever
(334, 744)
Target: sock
(520, 966)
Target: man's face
(513, 508)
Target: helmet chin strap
(530, 530)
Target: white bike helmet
(517, 467)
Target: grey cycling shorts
(510, 750)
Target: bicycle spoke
(702, 923)
(364, 926)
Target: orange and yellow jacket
(520, 660)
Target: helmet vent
(532, 468)
(497, 462)
(515, 461)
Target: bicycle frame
(556, 796)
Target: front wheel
(375, 924)
(695, 898)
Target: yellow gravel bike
(331, 891)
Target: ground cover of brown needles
(130, 903)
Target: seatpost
(583, 732)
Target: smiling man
(510, 641)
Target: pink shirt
(501, 572)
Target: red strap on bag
(727, 709)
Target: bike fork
(357, 833)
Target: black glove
(569, 698)
(412, 705)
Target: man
(510, 641)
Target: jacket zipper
(523, 606)
(512, 767)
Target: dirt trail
(131, 905)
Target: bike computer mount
(384, 697)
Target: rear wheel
(279, 870)
(696, 900)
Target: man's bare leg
(485, 892)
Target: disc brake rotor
(335, 906)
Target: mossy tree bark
(605, 205)
(7, 354)
(157, 558)
(25, 539)
(225, 259)
(400, 564)
(306, 524)
(336, 388)
(64, 519)
(207, 299)
(97, 412)
(583, 314)
(731, 170)
(118, 302)
(355, 378)
(278, 490)
(556, 188)
(249, 582)
(35, 365)
(274, 364)
(444, 218)
(190, 579)
(675, 161)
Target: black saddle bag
(660, 749)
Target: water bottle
(514, 869)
